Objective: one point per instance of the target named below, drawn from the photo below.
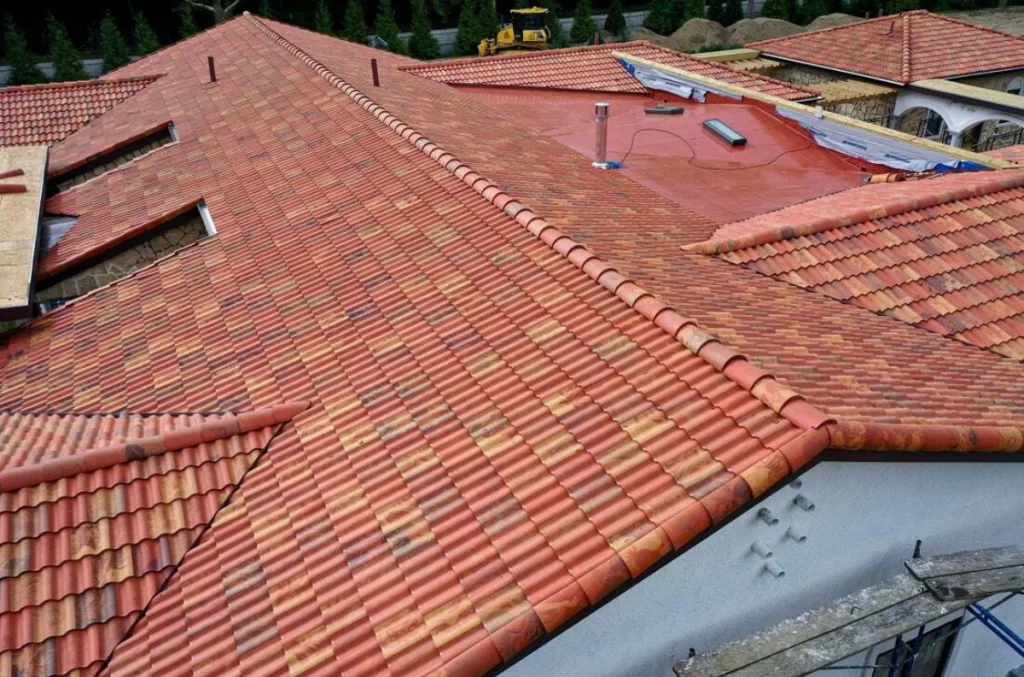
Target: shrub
(186, 20)
(322, 20)
(355, 24)
(17, 56)
(145, 39)
(469, 33)
(67, 63)
(112, 44)
(615, 22)
(583, 24)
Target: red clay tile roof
(902, 48)
(38, 114)
(592, 68)
(945, 254)
(1011, 153)
(503, 428)
(88, 536)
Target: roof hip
(763, 386)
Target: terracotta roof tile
(592, 68)
(503, 428)
(42, 114)
(903, 48)
(945, 254)
(85, 550)
(1011, 153)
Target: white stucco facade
(866, 519)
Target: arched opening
(992, 134)
(1016, 87)
(925, 123)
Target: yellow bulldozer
(527, 31)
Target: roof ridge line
(98, 458)
(769, 390)
(895, 208)
(827, 29)
(514, 55)
(81, 83)
(924, 437)
(960, 22)
(906, 56)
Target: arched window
(1016, 86)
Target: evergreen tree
(355, 25)
(265, 10)
(811, 10)
(897, 6)
(322, 21)
(387, 28)
(67, 62)
(489, 21)
(615, 22)
(583, 24)
(422, 43)
(695, 9)
(17, 56)
(678, 13)
(469, 33)
(716, 10)
(659, 17)
(521, 4)
(186, 21)
(146, 41)
(732, 13)
(558, 38)
(775, 9)
(112, 45)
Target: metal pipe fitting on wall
(761, 549)
(774, 569)
(766, 516)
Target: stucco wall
(119, 265)
(866, 520)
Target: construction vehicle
(527, 31)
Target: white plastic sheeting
(672, 83)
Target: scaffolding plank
(965, 562)
(977, 584)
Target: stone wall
(875, 110)
(128, 261)
(803, 75)
(996, 81)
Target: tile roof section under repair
(943, 254)
(1011, 153)
(592, 68)
(902, 48)
(870, 369)
(88, 538)
(495, 441)
(42, 114)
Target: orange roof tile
(503, 427)
(902, 48)
(87, 538)
(40, 114)
(945, 254)
(592, 68)
(1011, 153)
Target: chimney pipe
(373, 69)
(213, 71)
(601, 118)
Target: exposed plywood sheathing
(20, 201)
(846, 91)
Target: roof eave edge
(871, 436)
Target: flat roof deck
(779, 165)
